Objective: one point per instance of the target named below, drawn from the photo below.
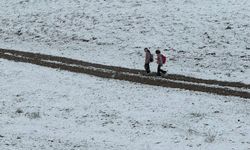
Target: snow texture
(43, 108)
(202, 38)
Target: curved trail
(172, 80)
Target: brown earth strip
(121, 69)
(109, 72)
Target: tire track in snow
(133, 75)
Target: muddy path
(133, 75)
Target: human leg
(147, 68)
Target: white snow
(211, 38)
(43, 108)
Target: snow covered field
(211, 38)
(43, 108)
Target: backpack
(164, 58)
(151, 58)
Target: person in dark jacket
(147, 59)
(160, 63)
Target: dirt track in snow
(133, 75)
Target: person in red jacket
(148, 59)
(160, 63)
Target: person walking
(148, 59)
(161, 59)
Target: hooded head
(146, 50)
(157, 51)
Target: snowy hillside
(42, 108)
(211, 38)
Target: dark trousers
(159, 70)
(147, 68)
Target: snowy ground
(42, 108)
(211, 38)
